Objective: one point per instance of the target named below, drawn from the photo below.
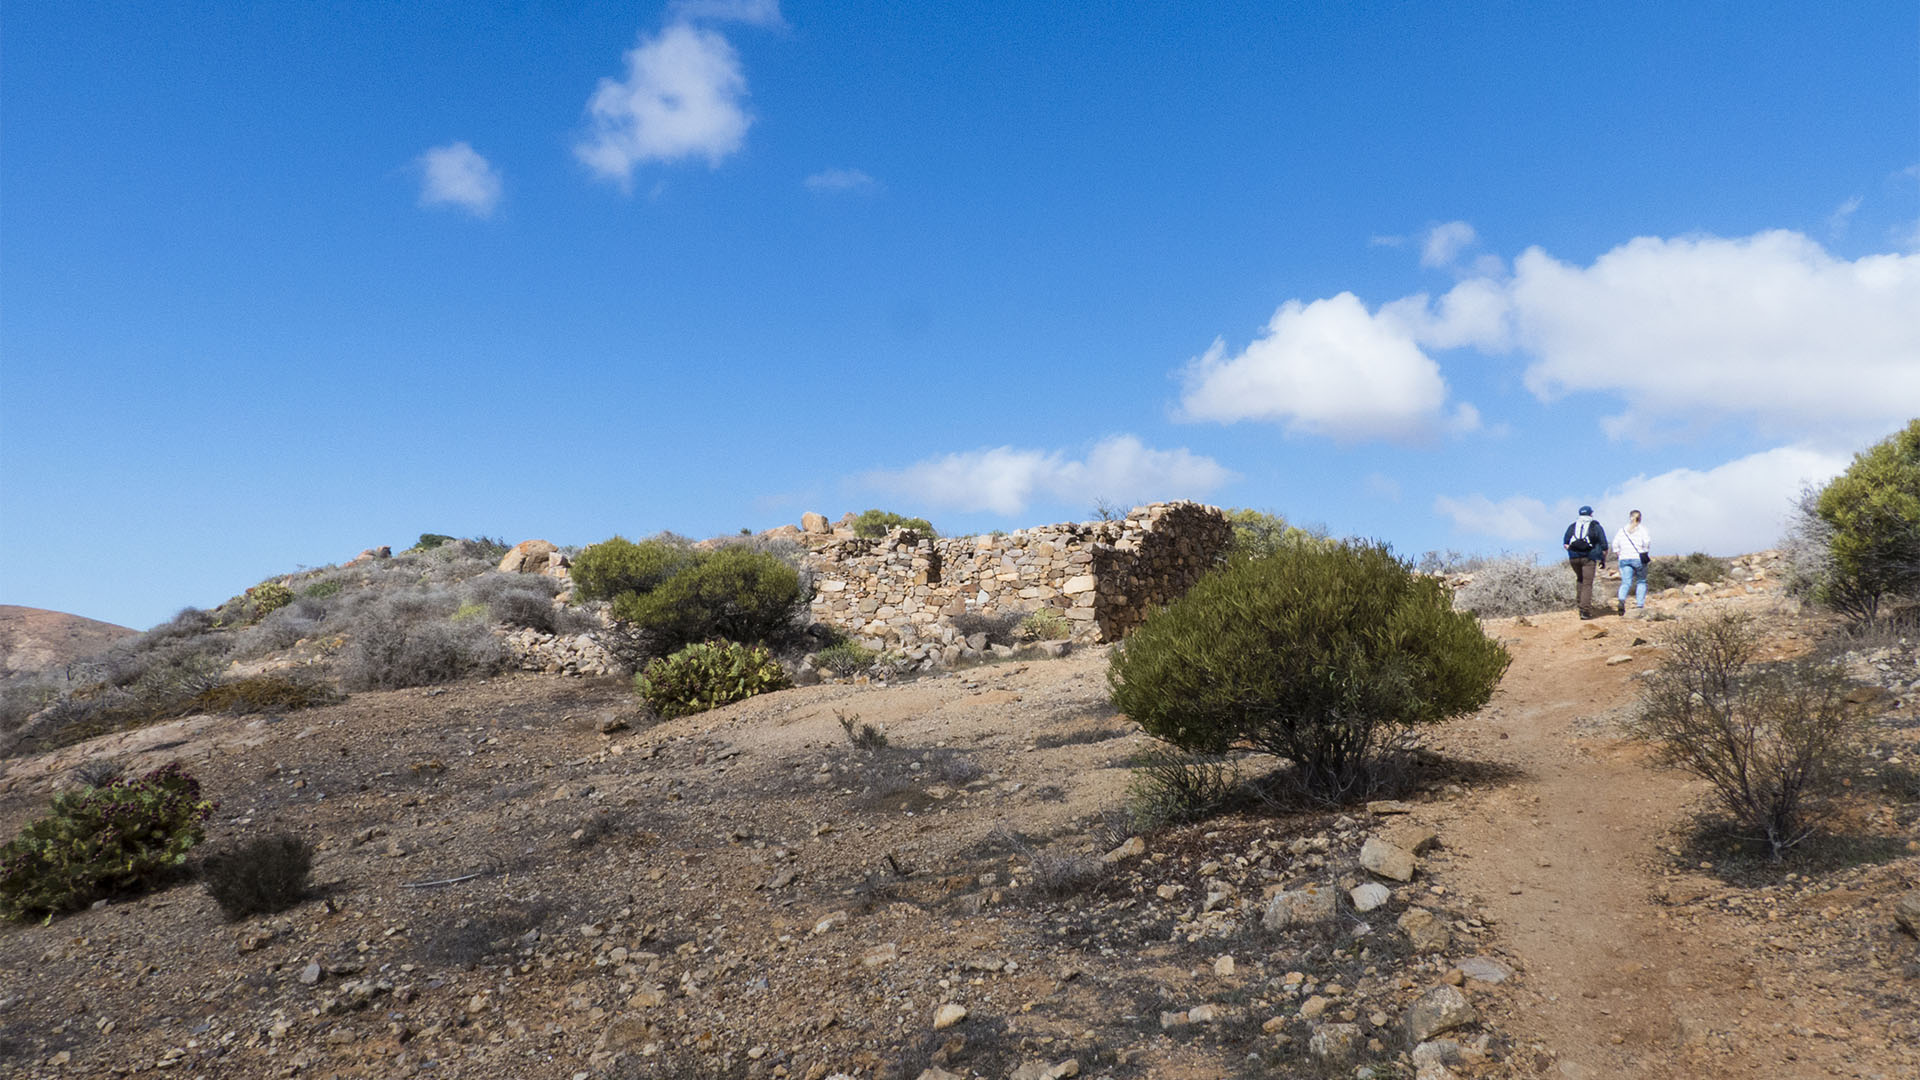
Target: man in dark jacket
(1586, 545)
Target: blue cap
(1587, 511)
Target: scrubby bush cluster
(1516, 585)
(874, 524)
(1697, 568)
(1259, 533)
(845, 658)
(1854, 544)
(999, 629)
(97, 841)
(258, 877)
(1328, 655)
(708, 675)
(1766, 736)
(1044, 625)
(670, 594)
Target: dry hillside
(511, 883)
(32, 639)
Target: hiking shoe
(1623, 607)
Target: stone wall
(902, 591)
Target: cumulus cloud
(1328, 367)
(828, 181)
(456, 175)
(683, 96)
(1731, 509)
(1769, 327)
(751, 12)
(1006, 480)
(1444, 243)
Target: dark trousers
(1584, 571)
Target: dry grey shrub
(409, 639)
(1767, 737)
(1516, 585)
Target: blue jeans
(1629, 570)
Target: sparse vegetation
(1767, 737)
(1046, 624)
(258, 876)
(708, 675)
(1327, 657)
(271, 692)
(1516, 585)
(98, 841)
(401, 644)
(1696, 568)
(1000, 629)
(874, 524)
(845, 658)
(861, 736)
(1173, 787)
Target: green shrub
(97, 841)
(320, 590)
(1767, 737)
(262, 600)
(1697, 568)
(618, 566)
(861, 735)
(1044, 625)
(1869, 518)
(874, 524)
(258, 877)
(429, 541)
(1258, 533)
(735, 593)
(706, 676)
(845, 658)
(1326, 655)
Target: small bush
(97, 841)
(845, 658)
(1516, 585)
(526, 609)
(706, 676)
(1172, 787)
(733, 594)
(98, 772)
(320, 590)
(258, 877)
(619, 566)
(429, 541)
(1697, 568)
(396, 654)
(998, 628)
(272, 692)
(862, 736)
(260, 601)
(1767, 737)
(874, 524)
(1327, 656)
(1044, 625)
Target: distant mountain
(32, 639)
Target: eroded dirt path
(1567, 860)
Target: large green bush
(1258, 532)
(735, 593)
(873, 524)
(613, 567)
(1325, 655)
(1871, 515)
(706, 676)
(96, 841)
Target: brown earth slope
(505, 891)
(32, 639)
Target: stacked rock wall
(902, 591)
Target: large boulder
(814, 524)
(533, 557)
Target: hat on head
(1587, 511)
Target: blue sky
(282, 282)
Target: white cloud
(1328, 367)
(1444, 243)
(1842, 215)
(751, 12)
(456, 175)
(834, 180)
(1735, 508)
(1770, 328)
(1516, 519)
(684, 96)
(1732, 509)
(1006, 480)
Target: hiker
(1586, 544)
(1633, 549)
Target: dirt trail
(1567, 861)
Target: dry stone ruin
(902, 591)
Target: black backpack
(1581, 536)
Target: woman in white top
(1631, 547)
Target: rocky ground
(514, 884)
